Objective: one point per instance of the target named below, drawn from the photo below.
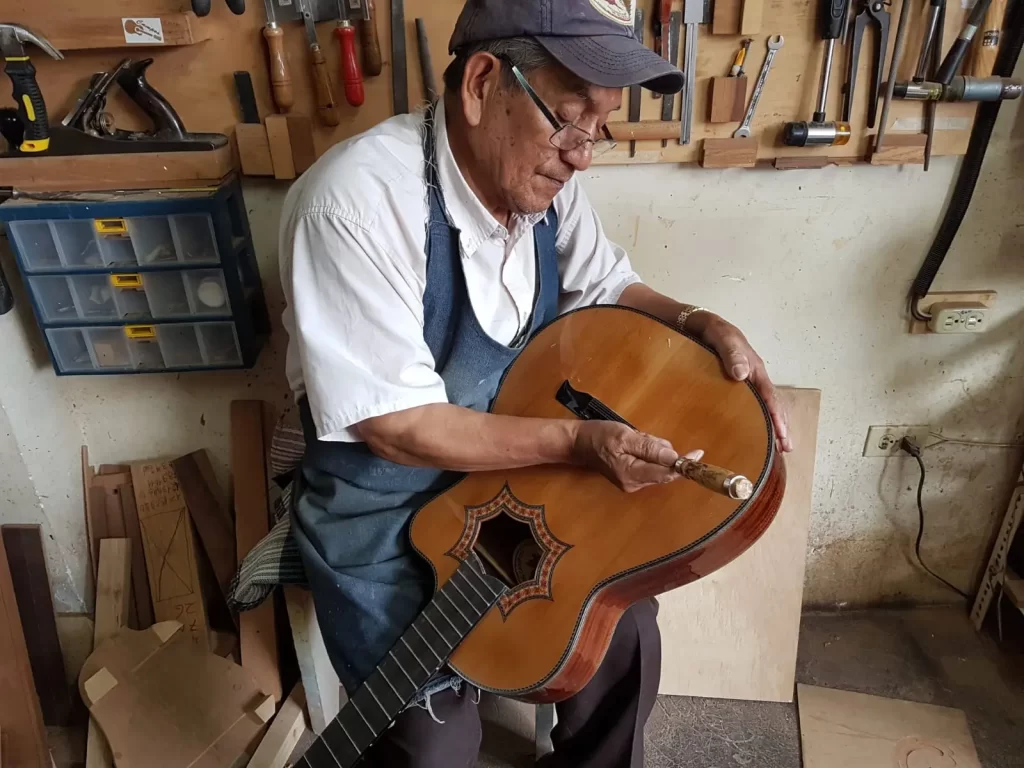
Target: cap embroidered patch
(616, 10)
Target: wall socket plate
(884, 441)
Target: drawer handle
(126, 281)
(140, 331)
(110, 226)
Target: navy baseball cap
(593, 39)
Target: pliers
(872, 11)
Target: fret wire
(331, 751)
(458, 633)
(367, 686)
(312, 747)
(459, 572)
(349, 737)
(407, 677)
(417, 631)
(482, 582)
(430, 621)
(390, 684)
(462, 594)
(413, 654)
(359, 712)
(466, 618)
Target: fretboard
(417, 656)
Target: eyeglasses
(568, 137)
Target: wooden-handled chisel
(351, 74)
(280, 76)
(326, 106)
(373, 64)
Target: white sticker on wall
(941, 124)
(143, 31)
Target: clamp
(876, 12)
(31, 109)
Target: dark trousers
(600, 727)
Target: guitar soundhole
(513, 541)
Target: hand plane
(90, 130)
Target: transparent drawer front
(167, 296)
(151, 236)
(94, 297)
(130, 297)
(195, 237)
(117, 250)
(219, 343)
(54, 298)
(146, 353)
(36, 244)
(110, 348)
(180, 346)
(76, 241)
(70, 350)
(207, 291)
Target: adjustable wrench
(774, 44)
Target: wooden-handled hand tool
(373, 63)
(280, 76)
(987, 45)
(351, 74)
(326, 106)
(715, 479)
(31, 108)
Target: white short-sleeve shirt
(353, 267)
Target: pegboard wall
(198, 79)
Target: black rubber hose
(970, 170)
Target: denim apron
(352, 511)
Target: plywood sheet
(733, 634)
(198, 79)
(840, 729)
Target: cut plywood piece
(322, 689)
(729, 153)
(734, 633)
(253, 149)
(164, 702)
(280, 145)
(284, 733)
(142, 601)
(901, 149)
(840, 729)
(22, 731)
(256, 628)
(170, 549)
(70, 32)
(209, 513)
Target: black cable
(911, 447)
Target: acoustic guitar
(534, 566)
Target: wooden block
(114, 469)
(24, 546)
(164, 702)
(728, 99)
(112, 480)
(987, 298)
(212, 519)
(96, 521)
(75, 631)
(729, 153)
(113, 598)
(257, 632)
(142, 600)
(800, 163)
(645, 130)
(280, 147)
(750, 19)
(900, 149)
(726, 19)
(70, 32)
(170, 550)
(253, 149)
(840, 729)
(284, 733)
(300, 136)
(21, 719)
(143, 170)
(112, 509)
(735, 632)
(319, 680)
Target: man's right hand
(630, 459)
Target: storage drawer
(141, 348)
(195, 238)
(36, 243)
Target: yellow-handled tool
(31, 107)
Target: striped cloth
(275, 560)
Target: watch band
(685, 315)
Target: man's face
(514, 137)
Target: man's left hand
(742, 363)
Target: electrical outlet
(958, 317)
(884, 441)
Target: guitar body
(577, 550)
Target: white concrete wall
(814, 265)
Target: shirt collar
(475, 223)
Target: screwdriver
(741, 58)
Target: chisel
(373, 64)
(636, 91)
(399, 66)
(351, 74)
(326, 106)
(280, 76)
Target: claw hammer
(31, 107)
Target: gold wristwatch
(685, 315)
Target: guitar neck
(417, 656)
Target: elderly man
(417, 260)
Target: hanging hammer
(31, 107)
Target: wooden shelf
(77, 33)
(142, 170)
